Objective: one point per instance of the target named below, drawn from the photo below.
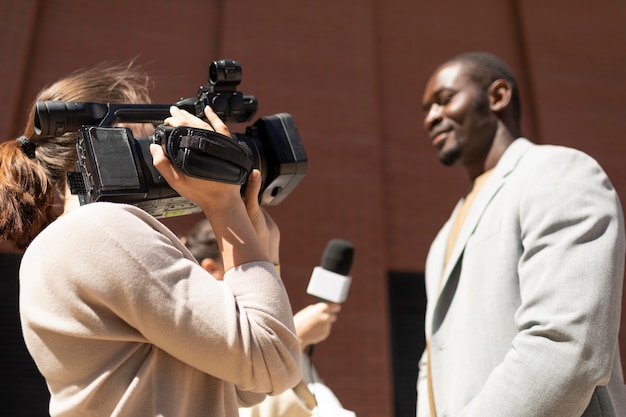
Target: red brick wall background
(351, 73)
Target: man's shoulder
(550, 150)
(546, 156)
(559, 168)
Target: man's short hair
(486, 68)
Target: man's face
(458, 119)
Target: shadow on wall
(24, 390)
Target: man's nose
(433, 116)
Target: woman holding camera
(117, 314)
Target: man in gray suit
(524, 282)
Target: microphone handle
(312, 347)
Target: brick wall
(351, 73)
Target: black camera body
(115, 166)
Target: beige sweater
(290, 403)
(122, 321)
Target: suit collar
(511, 156)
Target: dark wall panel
(24, 390)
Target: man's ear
(500, 92)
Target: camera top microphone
(330, 281)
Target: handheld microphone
(330, 281)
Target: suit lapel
(451, 273)
(474, 215)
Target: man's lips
(437, 138)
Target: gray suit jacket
(524, 319)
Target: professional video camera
(115, 166)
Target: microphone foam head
(338, 256)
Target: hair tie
(28, 147)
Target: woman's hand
(314, 322)
(180, 117)
(202, 192)
(265, 227)
(244, 231)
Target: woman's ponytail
(26, 195)
(33, 168)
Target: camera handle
(198, 152)
(202, 144)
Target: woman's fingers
(180, 117)
(163, 164)
(218, 124)
(251, 196)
